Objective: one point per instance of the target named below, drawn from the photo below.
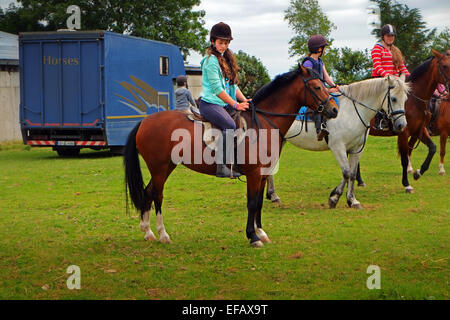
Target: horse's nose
(400, 127)
(334, 112)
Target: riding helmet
(315, 42)
(388, 29)
(220, 31)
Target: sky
(259, 28)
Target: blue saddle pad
(305, 111)
(302, 113)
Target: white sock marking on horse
(261, 234)
(163, 235)
(410, 168)
(441, 169)
(409, 189)
(145, 227)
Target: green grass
(58, 212)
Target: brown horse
(440, 126)
(423, 80)
(273, 107)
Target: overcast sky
(260, 30)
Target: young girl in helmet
(316, 47)
(387, 59)
(220, 93)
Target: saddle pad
(208, 137)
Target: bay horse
(423, 81)
(358, 104)
(440, 126)
(274, 106)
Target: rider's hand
(335, 89)
(242, 106)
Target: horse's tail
(133, 175)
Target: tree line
(177, 22)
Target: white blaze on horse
(359, 103)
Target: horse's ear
(403, 77)
(304, 71)
(437, 54)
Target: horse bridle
(391, 112)
(321, 106)
(443, 75)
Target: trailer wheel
(68, 152)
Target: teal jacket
(213, 81)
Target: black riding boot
(222, 170)
(321, 127)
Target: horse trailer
(88, 89)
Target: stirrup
(322, 134)
(224, 172)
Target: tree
(413, 38)
(171, 21)
(252, 73)
(346, 66)
(441, 42)
(306, 18)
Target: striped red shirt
(383, 64)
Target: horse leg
(411, 143)
(145, 217)
(361, 183)
(444, 136)
(270, 194)
(341, 157)
(426, 139)
(258, 226)
(351, 199)
(402, 142)
(159, 180)
(254, 194)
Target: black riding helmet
(315, 42)
(220, 31)
(388, 29)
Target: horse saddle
(208, 138)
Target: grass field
(58, 212)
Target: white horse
(358, 104)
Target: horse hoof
(257, 244)
(442, 173)
(150, 237)
(276, 201)
(410, 170)
(331, 204)
(165, 240)
(409, 189)
(357, 206)
(265, 239)
(362, 184)
(417, 174)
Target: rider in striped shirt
(387, 59)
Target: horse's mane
(364, 89)
(278, 83)
(417, 72)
